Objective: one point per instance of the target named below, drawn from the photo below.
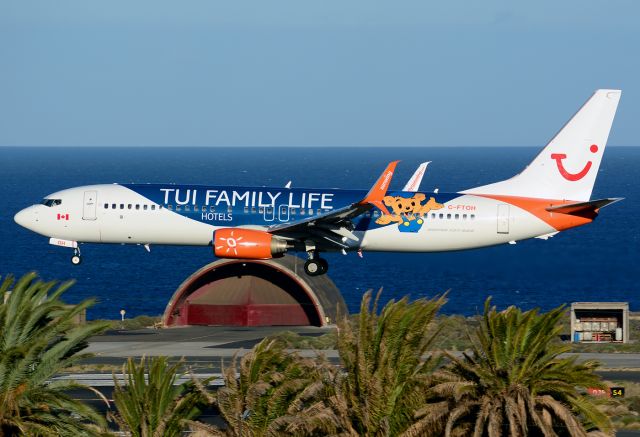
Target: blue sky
(323, 73)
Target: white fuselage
(117, 214)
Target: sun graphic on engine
(231, 244)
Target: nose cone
(21, 218)
(26, 218)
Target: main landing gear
(315, 265)
(76, 258)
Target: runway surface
(204, 348)
(208, 345)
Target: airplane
(552, 194)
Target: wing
(336, 225)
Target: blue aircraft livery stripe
(265, 206)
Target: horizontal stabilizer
(583, 209)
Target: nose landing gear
(76, 258)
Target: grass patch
(624, 412)
(453, 336)
(135, 323)
(291, 340)
(93, 368)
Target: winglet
(413, 184)
(379, 189)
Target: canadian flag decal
(63, 216)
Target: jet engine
(246, 244)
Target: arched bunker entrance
(273, 292)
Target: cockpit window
(51, 202)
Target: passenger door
(269, 213)
(90, 205)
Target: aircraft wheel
(75, 260)
(312, 267)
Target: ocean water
(596, 262)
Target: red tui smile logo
(573, 176)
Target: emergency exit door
(503, 219)
(89, 205)
(283, 213)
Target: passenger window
(440, 216)
(178, 207)
(302, 211)
(310, 211)
(137, 206)
(170, 207)
(113, 206)
(433, 215)
(261, 210)
(464, 216)
(293, 211)
(129, 206)
(253, 210)
(229, 209)
(448, 216)
(153, 207)
(269, 210)
(246, 209)
(106, 206)
(212, 208)
(473, 216)
(457, 216)
(196, 208)
(187, 208)
(122, 206)
(145, 207)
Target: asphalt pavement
(209, 345)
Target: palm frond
(39, 339)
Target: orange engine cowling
(246, 244)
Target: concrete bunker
(598, 322)
(273, 292)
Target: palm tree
(150, 404)
(39, 339)
(273, 392)
(514, 383)
(386, 365)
